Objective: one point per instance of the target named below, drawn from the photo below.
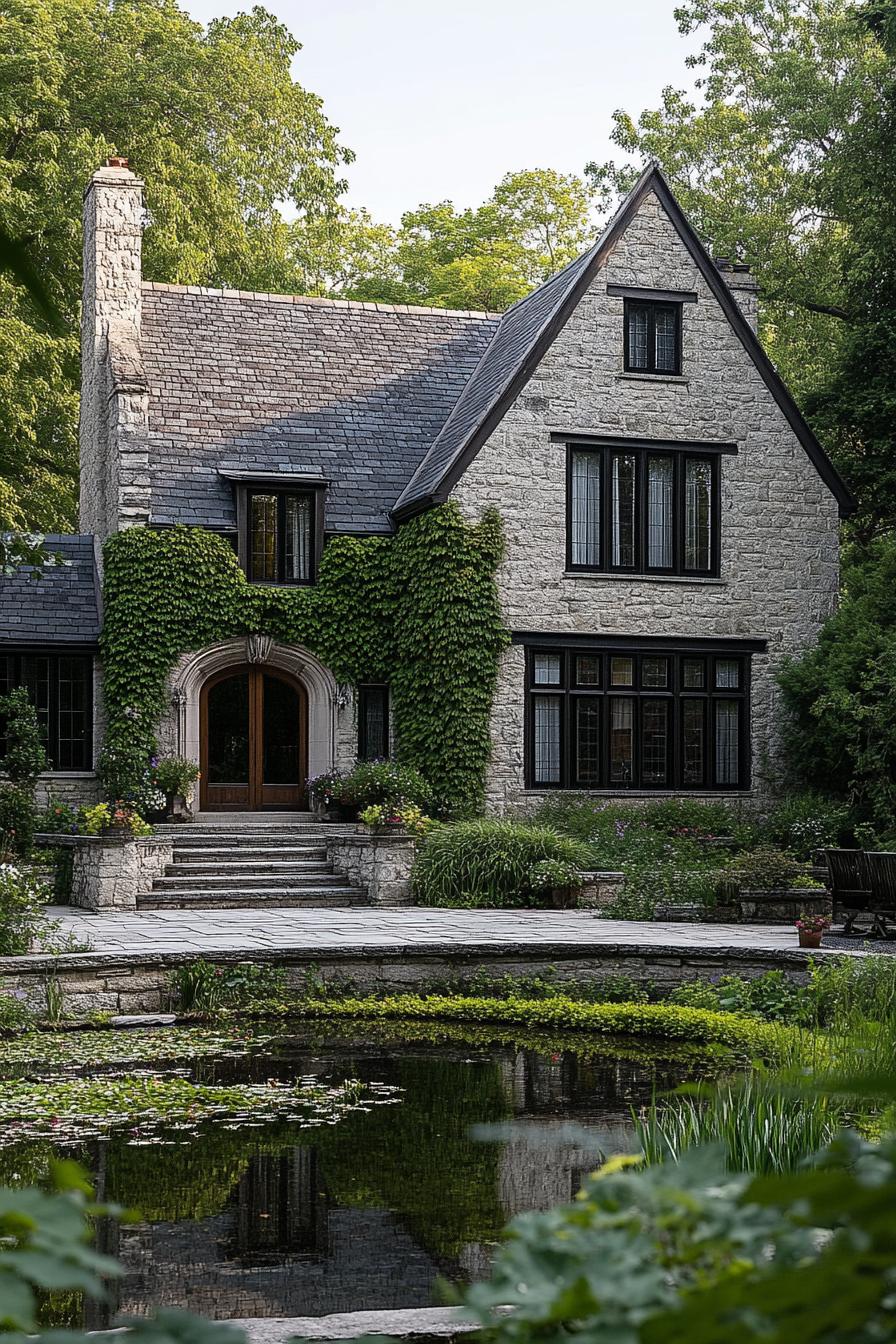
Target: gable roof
(62, 606)
(244, 383)
(527, 331)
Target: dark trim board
(704, 644)
(652, 295)
(436, 486)
(589, 440)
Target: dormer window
(652, 337)
(281, 536)
(280, 525)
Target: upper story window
(652, 337)
(60, 686)
(373, 722)
(642, 510)
(282, 536)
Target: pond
(362, 1209)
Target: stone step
(239, 854)
(246, 818)
(235, 869)
(245, 881)
(254, 899)
(241, 840)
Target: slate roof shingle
(353, 393)
(60, 607)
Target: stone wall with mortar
(779, 521)
(115, 482)
(97, 982)
(109, 873)
(381, 863)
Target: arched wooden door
(254, 740)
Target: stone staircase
(249, 860)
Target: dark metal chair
(880, 873)
(850, 886)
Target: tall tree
(214, 121)
(483, 257)
(778, 85)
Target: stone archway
(325, 699)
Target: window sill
(609, 576)
(620, 793)
(678, 378)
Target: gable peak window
(283, 533)
(652, 336)
(643, 510)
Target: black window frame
(570, 692)
(368, 693)
(244, 530)
(11, 676)
(652, 305)
(642, 451)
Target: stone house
(671, 521)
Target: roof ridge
(207, 291)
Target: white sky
(439, 102)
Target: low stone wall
(91, 982)
(110, 872)
(598, 890)
(380, 862)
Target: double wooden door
(253, 725)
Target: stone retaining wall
(117, 983)
(110, 872)
(381, 863)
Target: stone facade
(109, 873)
(115, 481)
(381, 863)
(779, 521)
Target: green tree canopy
(483, 257)
(222, 133)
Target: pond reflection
(365, 1214)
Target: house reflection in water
(367, 1214)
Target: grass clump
(491, 864)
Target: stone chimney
(114, 395)
(743, 286)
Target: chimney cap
(117, 161)
(742, 267)
(723, 263)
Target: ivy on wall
(418, 610)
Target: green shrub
(547, 985)
(696, 994)
(58, 818)
(15, 1015)
(676, 816)
(16, 820)
(844, 988)
(63, 876)
(669, 881)
(659, 1020)
(22, 902)
(201, 987)
(805, 823)
(489, 864)
(25, 756)
(765, 869)
(174, 775)
(372, 783)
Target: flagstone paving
(409, 929)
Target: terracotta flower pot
(810, 937)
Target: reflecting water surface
(367, 1213)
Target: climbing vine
(419, 610)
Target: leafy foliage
(201, 987)
(660, 1020)
(16, 821)
(487, 863)
(419, 610)
(25, 756)
(841, 734)
(372, 784)
(22, 901)
(210, 117)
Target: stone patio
(410, 930)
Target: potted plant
(382, 820)
(559, 879)
(175, 776)
(811, 929)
